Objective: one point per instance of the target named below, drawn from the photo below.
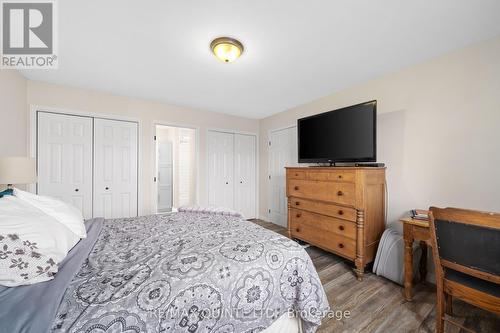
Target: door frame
(33, 140)
(196, 157)
(268, 181)
(257, 161)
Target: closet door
(244, 174)
(115, 168)
(64, 159)
(282, 153)
(220, 169)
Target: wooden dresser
(339, 209)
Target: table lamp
(16, 170)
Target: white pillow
(32, 243)
(66, 214)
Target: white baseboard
(264, 218)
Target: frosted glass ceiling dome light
(226, 49)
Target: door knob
(241, 182)
(227, 183)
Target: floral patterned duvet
(190, 272)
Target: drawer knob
(298, 215)
(340, 193)
(296, 175)
(340, 177)
(296, 188)
(297, 203)
(341, 212)
(297, 230)
(76, 190)
(341, 227)
(341, 245)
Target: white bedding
(66, 214)
(32, 243)
(285, 324)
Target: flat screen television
(343, 135)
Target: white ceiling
(295, 51)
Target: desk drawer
(336, 192)
(324, 223)
(319, 207)
(325, 239)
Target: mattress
(176, 272)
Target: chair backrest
(468, 241)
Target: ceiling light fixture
(226, 49)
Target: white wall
(438, 130)
(13, 113)
(147, 112)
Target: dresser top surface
(332, 168)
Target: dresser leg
(359, 270)
(360, 244)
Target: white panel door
(245, 174)
(64, 159)
(115, 168)
(220, 169)
(165, 171)
(283, 152)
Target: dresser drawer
(338, 175)
(345, 213)
(324, 223)
(296, 174)
(336, 192)
(325, 239)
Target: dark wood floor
(377, 304)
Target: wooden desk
(414, 230)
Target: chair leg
(449, 305)
(440, 310)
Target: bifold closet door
(64, 159)
(244, 174)
(115, 168)
(220, 169)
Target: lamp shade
(17, 170)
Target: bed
(176, 272)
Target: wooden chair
(466, 251)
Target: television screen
(343, 135)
